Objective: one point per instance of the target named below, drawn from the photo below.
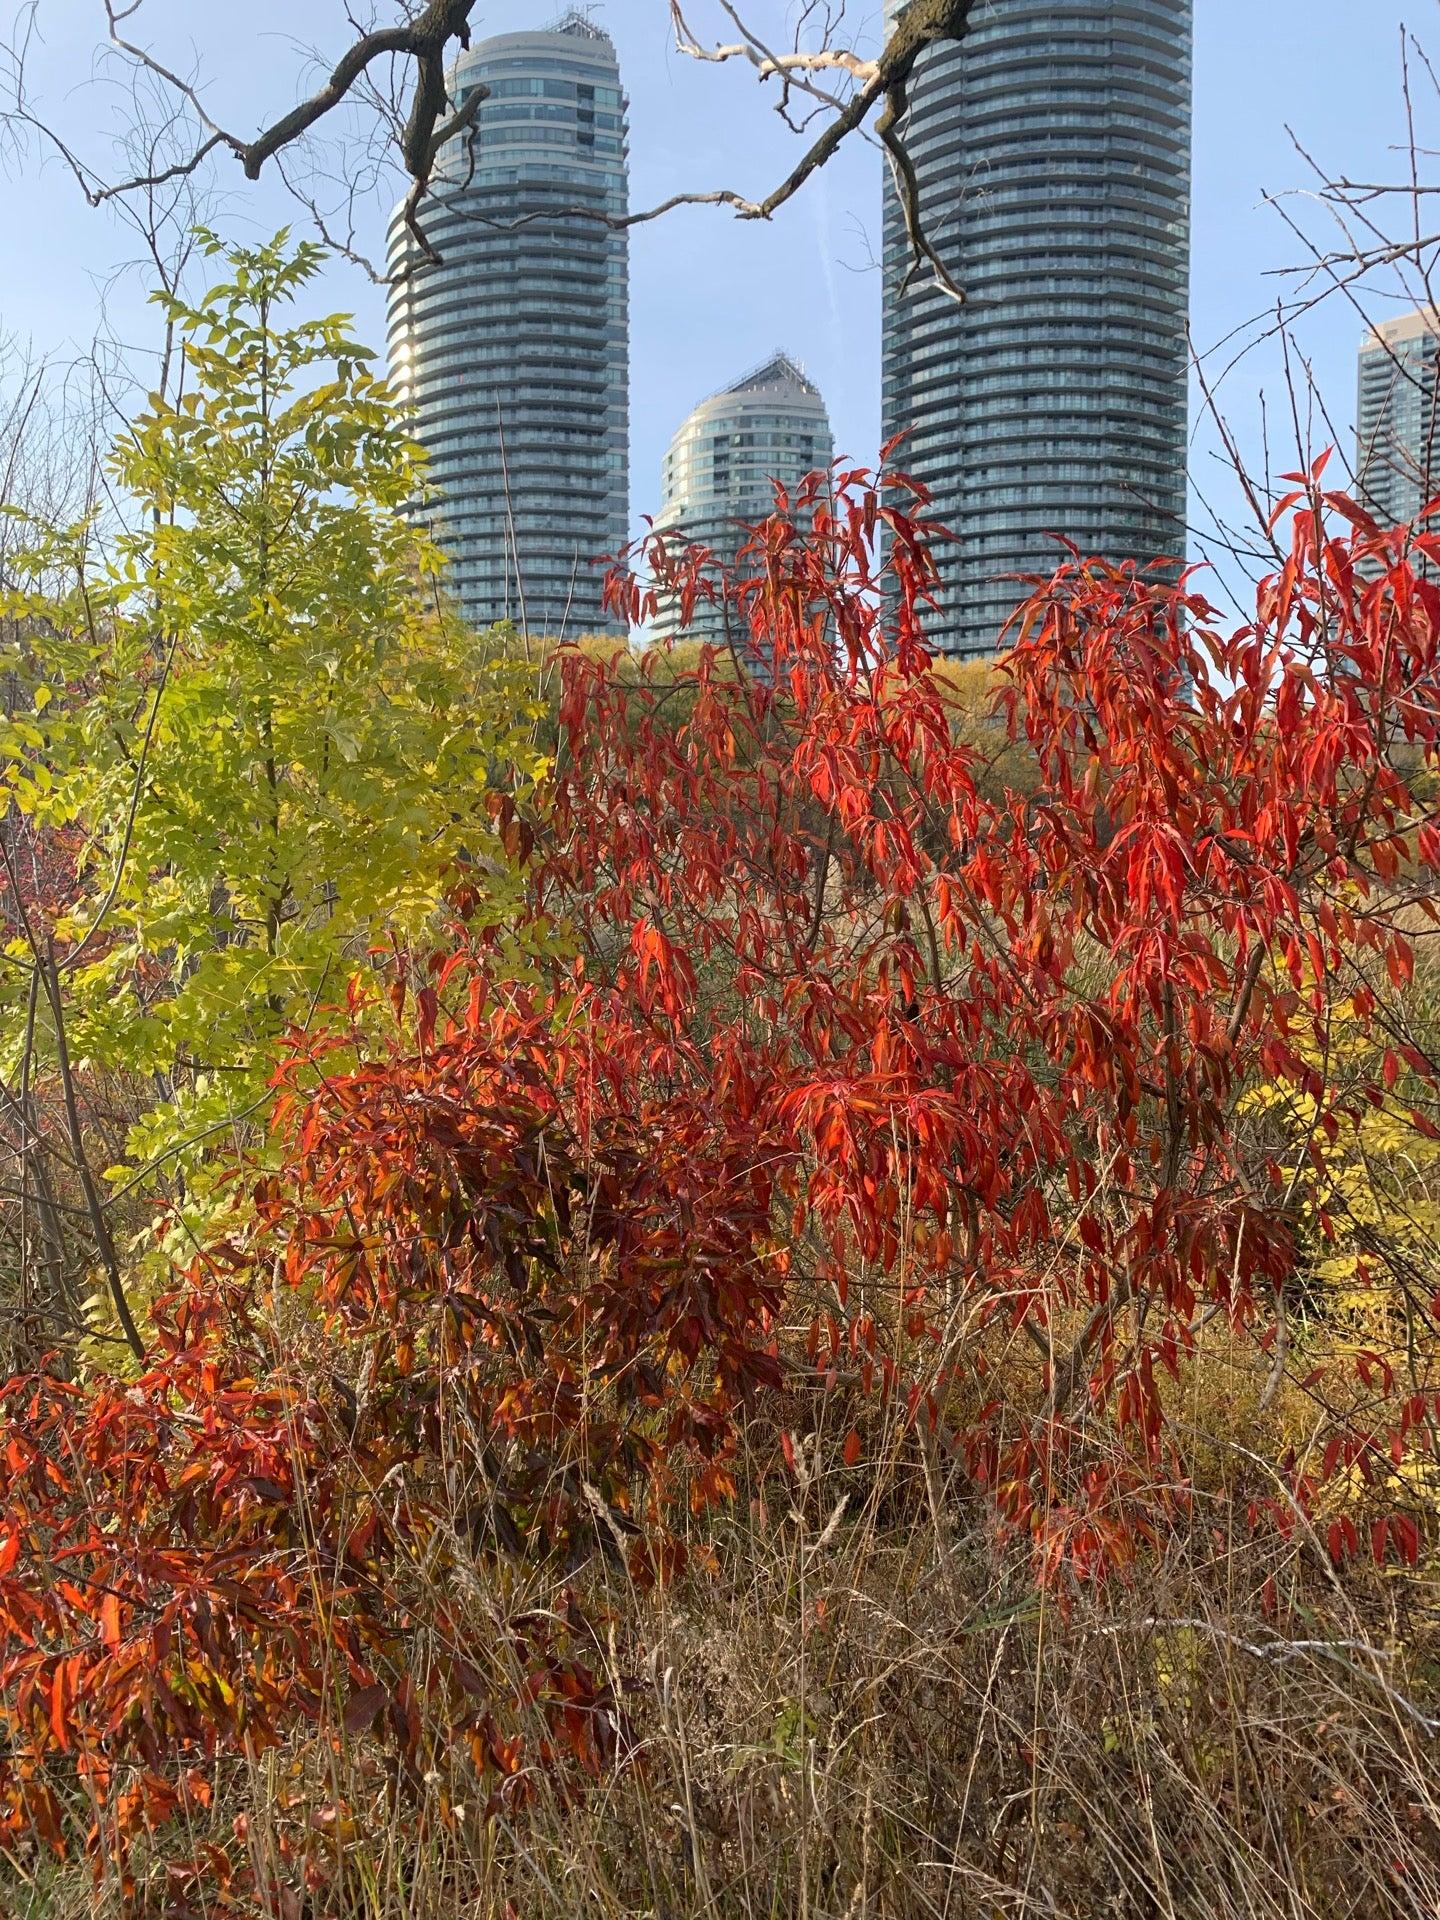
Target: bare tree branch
(792, 65)
(424, 44)
(426, 41)
(922, 24)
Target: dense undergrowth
(836, 1311)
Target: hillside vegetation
(631, 1289)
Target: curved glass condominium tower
(1398, 429)
(513, 349)
(1052, 147)
(719, 473)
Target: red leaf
(364, 1708)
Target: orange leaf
(110, 1620)
(59, 1721)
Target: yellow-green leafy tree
(263, 739)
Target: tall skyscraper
(720, 471)
(1397, 460)
(513, 349)
(1052, 147)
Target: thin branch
(99, 1225)
(766, 63)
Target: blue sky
(711, 296)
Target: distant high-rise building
(1052, 146)
(513, 347)
(720, 472)
(1397, 460)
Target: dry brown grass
(863, 1711)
